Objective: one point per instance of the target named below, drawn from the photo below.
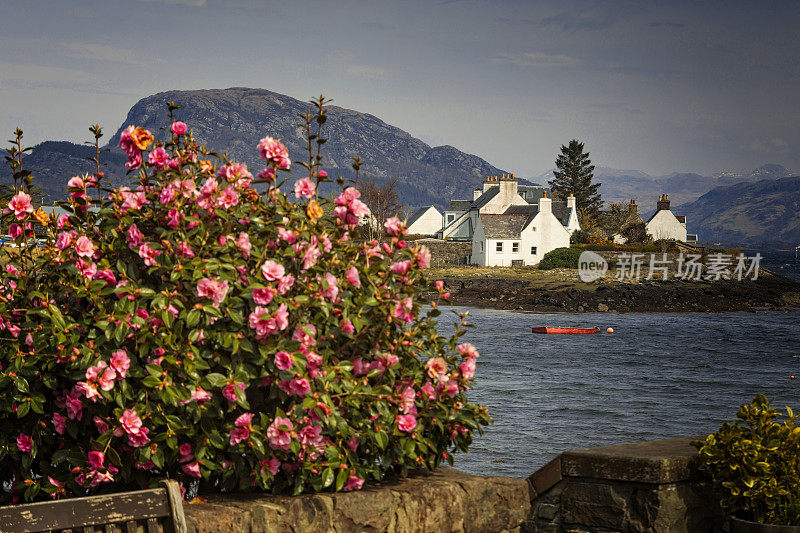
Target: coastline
(560, 290)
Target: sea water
(659, 375)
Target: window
(499, 247)
(533, 250)
(534, 228)
(481, 246)
(514, 247)
(450, 218)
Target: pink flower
(131, 423)
(148, 254)
(120, 362)
(11, 269)
(262, 322)
(84, 246)
(439, 285)
(74, 407)
(167, 195)
(212, 289)
(468, 368)
(59, 423)
(423, 257)
(229, 390)
(467, 350)
(304, 188)
(333, 289)
(96, 460)
(437, 367)
(75, 183)
(185, 453)
(311, 435)
(263, 296)
(134, 237)
(228, 198)
(279, 433)
(15, 230)
(283, 361)
(192, 469)
(243, 420)
(286, 235)
(20, 204)
(394, 226)
(100, 424)
(178, 127)
(243, 243)
(353, 277)
(268, 174)
(158, 157)
(272, 271)
(137, 440)
(285, 284)
(401, 267)
(185, 250)
(353, 483)
(299, 387)
(305, 334)
(273, 150)
(24, 443)
(407, 398)
(347, 326)
(238, 435)
(406, 422)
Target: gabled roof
(485, 197)
(532, 193)
(503, 226)
(658, 211)
(459, 205)
(561, 211)
(530, 211)
(418, 213)
(681, 218)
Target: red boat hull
(564, 330)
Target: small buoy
(610, 330)
(791, 377)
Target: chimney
(491, 181)
(476, 194)
(634, 209)
(663, 203)
(508, 188)
(546, 204)
(570, 201)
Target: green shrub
(560, 258)
(754, 464)
(196, 327)
(580, 237)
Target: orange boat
(564, 330)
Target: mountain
(766, 211)
(233, 121)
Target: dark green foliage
(560, 258)
(574, 176)
(580, 237)
(636, 233)
(754, 464)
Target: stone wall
(445, 501)
(451, 252)
(647, 486)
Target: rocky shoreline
(769, 291)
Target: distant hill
(682, 187)
(767, 211)
(233, 120)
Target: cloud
(104, 52)
(775, 144)
(537, 59)
(186, 3)
(365, 71)
(666, 24)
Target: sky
(653, 85)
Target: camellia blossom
(279, 433)
(352, 277)
(394, 226)
(21, 205)
(178, 127)
(229, 390)
(131, 423)
(272, 150)
(84, 246)
(120, 362)
(406, 422)
(272, 271)
(213, 289)
(283, 361)
(353, 483)
(24, 443)
(148, 254)
(304, 188)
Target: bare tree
(383, 203)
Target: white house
(424, 221)
(665, 225)
(523, 233)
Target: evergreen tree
(574, 176)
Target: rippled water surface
(657, 376)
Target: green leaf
(217, 380)
(382, 439)
(327, 477)
(341, 478)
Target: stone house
(666, 225)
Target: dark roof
(532, 193)
(485, 197)
(681, 218)
(459, 205)
(418, 213)
(503, 226)
(561, 211)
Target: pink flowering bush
(195, 327)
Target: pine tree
(574, 176)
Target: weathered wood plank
(82, 512)
(152, 525)
(130, 526)
(176, 505)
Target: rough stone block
(547, 511)
(593, 504)
(211, 518)
(546, 477)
